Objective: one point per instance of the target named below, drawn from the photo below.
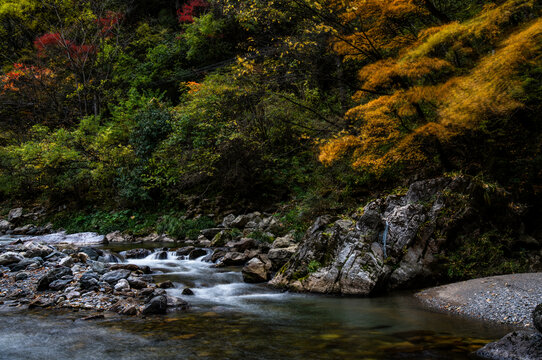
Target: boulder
(221, 239)
(524, 345)
(112, 277)
(126, 307)
(166, 284)
(60, 284)
(5, 226)
(210, 233)
(89, 280)
(244, 244)
(15, 214)
(156, 306)
(67, 261)
(257, 270)
(227, 221)
(118, 237)
(136, 282)
(10, 257)
(280, 256)
(122, 285)
(240, 221)
(283, 242)
(51, 276)
(537, 317)
(92, 253)
(197, 253)
(394, 244)
(28, 229)
(233, 259)
(187, 291)
(184, 250)
(176, 303)
(137, 253)
(21, 276)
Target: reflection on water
(233, 320)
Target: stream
(230, 319)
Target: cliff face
(397, 242)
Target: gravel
(505, 299)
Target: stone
(233, 259)
(126, 307)
(5, 226)
(227, 221)
(283, 242)
(210, 233)
(161, 255)
(112, 277)
(524, 345)
(176, 303)
(136, 282)
(256, 270)
(187, 291)
(137, 253)
(221, 238)
(184, 250)
(59, 284)
(98, 267)
(166, 284)
(52, 275)
(10, 258)
(34, 249)
(92, 253)
(156, 306)
(218, 254)
(131, 267)
(280, 256)
(67, 261)
(240, 221)
(22, 265)
(15, 214)
(122, 285)
(537, 317)
(197, 253)
(21, 276)
(82, 257)
(244, 244)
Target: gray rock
(156, 306)
(524, 345)
(137, 253)
(118, 237)
(59, 284)
(184, 250)
(233, 259)
(122, 285)
(280, 256)
(5, 225)
(28, 229)
(244, 244)
(176, 303)
(21, 276)
(98, 267)
(89, 281)
(537, 317)
(35, 249)
(256, 270)
(283, 242)
(126, 307)
(15, 214)
(136, 282)
(197, 253)
(91, 252)
(227, 221)
(221, 239)
(210, 233)
(51, 276)
(10, 257)
(187, 291)
(67, 261)
(112, 277)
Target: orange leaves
(21, 72)
(335, 148)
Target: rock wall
(348, 256)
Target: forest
(135, 109)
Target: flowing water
(230, 319)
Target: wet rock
(184, 250)
(67, 261)
(137, 253)
(537, 317)
(126, 307)
(166, 285)
(256, 270)
(197, 253)
(112, 277)
(176, 303)
(93, 317)
(10, 257)
(136, 282)
(203, 241)
(524, 345)
(82, 257)
(55, 274)
(91, 252)
(218, 254)
(22, 265)
(98, 267)
(162, 255)
(187, 291)
(40, 302)
(59, 284)
(156, 306)
(21, 276)
(122, 285)
(15, 214)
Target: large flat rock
(80, 239)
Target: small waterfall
(385, 237)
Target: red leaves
(186, 14)
(52, 41)
(108, 22)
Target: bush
(181, 228)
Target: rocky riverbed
(33, 274)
